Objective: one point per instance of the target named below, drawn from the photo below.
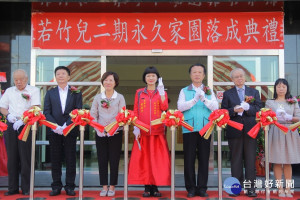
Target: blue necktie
(241, 95)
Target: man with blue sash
(196, 102)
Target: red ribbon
(30, 117)
(266, 117)
(221, 118)
(82, 117)
(172, 118)
(126, 117)
(3, 126)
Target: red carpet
(95, 194)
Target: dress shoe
(191, 193)
(156, 194)
(146, 194)
(203, 194)
(11, 193)
(251, 193)
(25, 193)
(54, 192)
(70, 192)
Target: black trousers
(60, 145)
(243, 152)
(194, 144)
(109, 151)
(18, 159)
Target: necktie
(241, 95)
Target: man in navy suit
(59, 102)
(242, 146)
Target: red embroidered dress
(150, 165)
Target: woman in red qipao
(150, 164)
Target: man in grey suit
(242, 146)
(58, 104)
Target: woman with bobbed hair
(104, 109)
(150, 164)
(284, 148)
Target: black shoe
(70, 192)
(146, 194)
(11, 193)
(25, 193)
(156, 194)
(54, 192)
(191, 193)
(203, 194)
(251, 193)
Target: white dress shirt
(13, 101)
(63, 93)
(184, 105)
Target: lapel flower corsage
(207, 90)
(105, 103)
(249, 99)
(292, 100)
(74, 89)
(26, 96)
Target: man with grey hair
(242, 146)
(13, 103)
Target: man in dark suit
(59, 102)
(242, 146)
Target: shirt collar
(25, 89)
(103, 96)
(201, 87)
(237, 88)
(65, 88)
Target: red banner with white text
(167, 31)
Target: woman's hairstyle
(284, 82)
(198, 65)
(114, 74)
(150, 70)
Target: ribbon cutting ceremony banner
(168, 31)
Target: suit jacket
(53, 110)
(230, 100)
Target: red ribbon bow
(3, 126)
(172, 118)
(264, 118)
(82, 117)
(126, 117)
(30, 117)
(220, 118)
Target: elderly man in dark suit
(242, 146)
(59, 102)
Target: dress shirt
(184, 105)
(13, 101)
(243, 89)
(63, 93)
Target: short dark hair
(64, 68)
(114, 74)
(150, 70)
(284, 82)
(197, 64)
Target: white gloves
(279, 112)
(160, 87)
(58, 130)
(100, 134)
(283, 116)
(245, 106)
(18, 124)
(288, 117)
(136, 132)
(11, 118)
(199, 95)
